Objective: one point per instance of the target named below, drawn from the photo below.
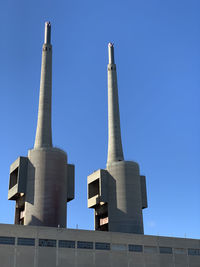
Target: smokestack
(115, 150)
(117, 193)
(45, 180)
(47, 33)
(44, 132)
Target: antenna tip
(47, 34)
(111, 53)
(48, 23)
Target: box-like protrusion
(97, 188)
(143, 191)
(18, 177)
(70, 182)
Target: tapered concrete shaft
(118, 193)
(44, 132)
(42, 183)
(115, 150)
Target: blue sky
(157, 52)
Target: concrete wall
(46, 193)
(153, 251)
(125, 198)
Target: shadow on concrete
(120, 221)
(30, 189)
(34, 221)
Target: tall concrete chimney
(42, 183)
(44, 133)
(118, 193)
(115, 151)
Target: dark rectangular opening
(13, 178)
(102, 246)
(19, 210)
(85, 245)
(47, 243)
(93, 188)
(135, 248)
(194, 252)
(7, 240)
(165, 250)
(66, 244)
(21, 241)
(101, 217)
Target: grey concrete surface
(44, 132)
(115, 151)
(45, 184)
(117, 194)
(46, 193)
(125, 200)
(121, 250)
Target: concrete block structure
(22, 246)
(42, 183)
(118, 193)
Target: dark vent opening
(93, 188)
(13, 178)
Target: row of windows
(25, 241)
(135, 248)
(47, 243)
(192, 251)
(66, 244)
(150, 249)
(5, 240)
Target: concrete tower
(117, 194)
(42, 183)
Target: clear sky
(157, 52)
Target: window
(150, 249)
(7, 240)
(135, 248)
(193, 251)
(102, 246)
(66, 244)
(47, 243)
(179, 251)
(165, 250)
(85, 244)
(118, 247)
(26, 241)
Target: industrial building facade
(34, 246)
